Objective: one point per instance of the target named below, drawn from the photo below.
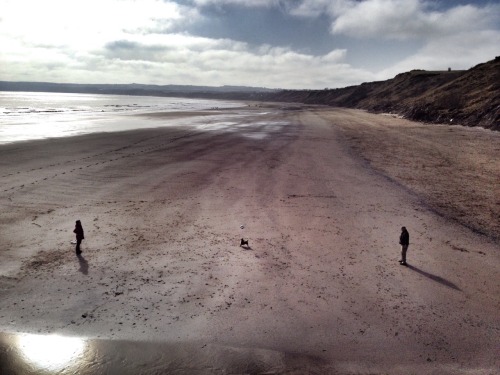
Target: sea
(37, 115)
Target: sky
(288, 44)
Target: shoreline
(162, 211)
(155, 120)
(47, 115)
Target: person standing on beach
(404, 241)
(79, 236)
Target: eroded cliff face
(470, 98)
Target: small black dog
(244, 243)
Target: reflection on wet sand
(26, 354)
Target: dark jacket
(79, 232)
(404, 239)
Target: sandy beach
(320, 194)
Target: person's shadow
(438, 279)
(84, 265)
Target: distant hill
(135, 89)
(470, 97)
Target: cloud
(215, 62)
(123, 41)
(246, 3)
(87, 23)
(399, 19)
(460, 36)
(148, 41)
(315, 8)
(185, 59)
(380, 18)
(385, 19)
(459, 52)
(152, 51)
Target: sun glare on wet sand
(50, 352)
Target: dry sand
(320, 289)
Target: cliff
(470, 97)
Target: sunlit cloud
(404, 19)
(456, 52)
(86, 24)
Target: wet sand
(321, 200)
